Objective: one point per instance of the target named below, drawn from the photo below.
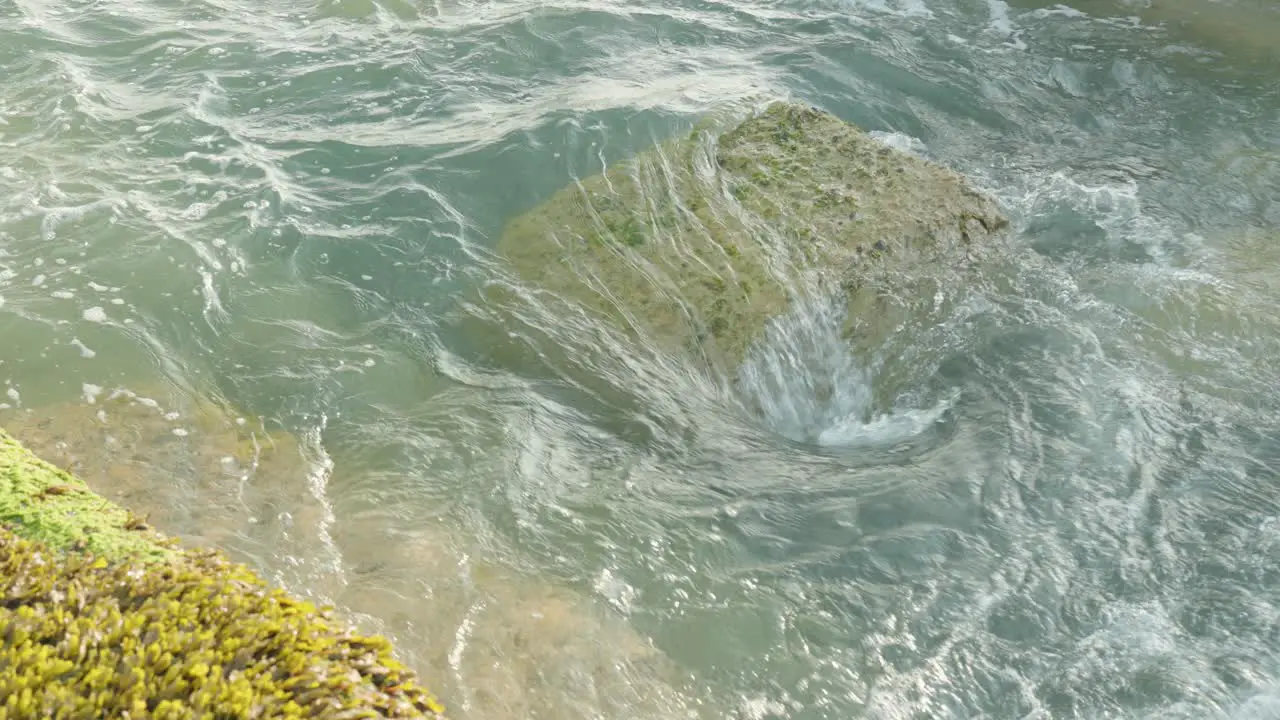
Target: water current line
(321, 469)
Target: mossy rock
(693, 246)
(102, 616)
(53, 506)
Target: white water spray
(802, 378)
(807, 384)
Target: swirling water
(1053, 491)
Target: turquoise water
(1052, 492)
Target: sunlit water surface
(1053, 491)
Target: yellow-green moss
(197, 479)
(101, 616)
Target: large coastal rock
(693, 246)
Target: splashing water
(806, 384)
(802, 378)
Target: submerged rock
(693, 246)
(1243, 32)
(56, 508)
(101, 616)
(157, 452)
(496, 642)
(499, 642)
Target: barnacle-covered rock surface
(696, 244)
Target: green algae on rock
(154, 450)
(695, 246)
(44, 503)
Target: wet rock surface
(192, 467)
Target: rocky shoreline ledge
(103, 616)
